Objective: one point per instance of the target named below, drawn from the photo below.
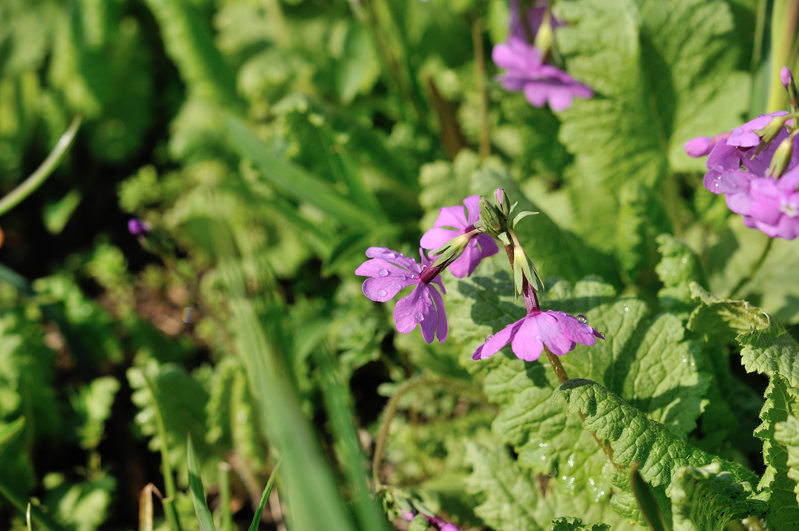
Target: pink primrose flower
(389, 273)
(774, 206)
(461, 221)
(559, 331)
(541, 83)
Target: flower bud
(490, 216)
(787, 81)
(502, 202)
(770, 132)
(781, 158)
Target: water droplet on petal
(413, 276)
(582, 318)
(538, 337)
(383, 273)
(417, 317)
(388, 254)
(396, 287)
(381, 293)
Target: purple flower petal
(442, 327)
(699, 146)
(495, 343)
(382, 289)
(472, 204)
(435, 238)
(411, 310)
(451, 217)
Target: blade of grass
(646, 501)
(10, 432)
(44, 171)
(166, 466)
(28, 518)
(22, 505)
(337, 402)
(312, 491)
(204, 517)
(225, 518)
(292, 179)
(256, 519)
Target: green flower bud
(781, 158)
(491, 217)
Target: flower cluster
(756, 168)
(524, 56)
(461, 237)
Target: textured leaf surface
(568, 523)
(635, 438)
(662, 74)
(705, 499)
(678, 267)
(782, 402)
(513, 500)
(786, 433)
(771, 351)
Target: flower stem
(480, 62)
(557, 366)
(752, 270)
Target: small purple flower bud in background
(703, 145)
(138, 227)
(785, 77)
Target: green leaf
(58, 214)
(568, 523)
(204, 518)
(662, 73)
(786, 433)
(782, 402)
(677, 269)
(294, 180)
(259, 511)
(705, 499)
(9, 432)
(636, 438)
(646, 501)
(82, 506)
(92, 404)
(513, 500)
(419, 523)
(724, 318)
(771, 351)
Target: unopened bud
(786, 78)
(770, 132)
(502, 202)
(490, 216)
(781, 158)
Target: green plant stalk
(756, 265)
(256, 519)
(204, 518)
(225, 517)
(783, 33)
(22, 505)
(169, 480)
(480, 75)
(337, 402)
(44, 171)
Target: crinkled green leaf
(93, 404)
(640, 219)
(786, 433)
(678, 267)
(724, 318)
(568, 523)
(231, 421)
(83, 506)
(771, 351)
(782, 402)
(662, 73)
(636, 438)
(515, 501)
(705, 499)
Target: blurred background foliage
(268, 143)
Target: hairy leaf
(705, 499)
(662, 73)
(568, 523)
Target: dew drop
(537, 337)
(396, 287)
(388, 254)
(582, 318)
(626, 309)
(383, 273)
(417, 317)
(413, 275)
(381, 293)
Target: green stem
(391, 410)
(18, 501)
(480, 62)
(42, 172)
(169, 480)
(225, 518)
(752, 270)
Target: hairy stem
(752, 270)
